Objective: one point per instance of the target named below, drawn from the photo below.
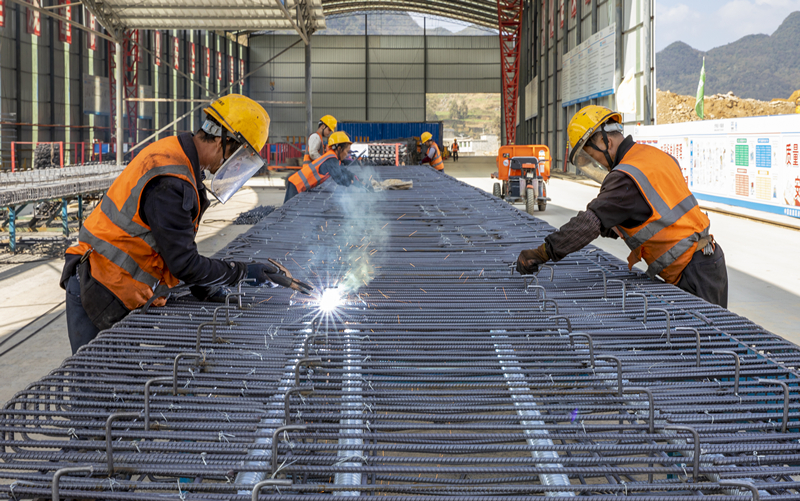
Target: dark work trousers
(455, 156)
(80, 329)
(707, 277)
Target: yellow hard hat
(585, 123)
(426, 136)
(340, 137)
(243, 117)
(329, 121)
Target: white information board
(588, 69)
(532, 98)
(748, 162)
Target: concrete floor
(764, 275)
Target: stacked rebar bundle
(33, 185)
(387, 154)
(443, 373)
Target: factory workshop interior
(241, 258)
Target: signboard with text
(735, 161)
(64, 28)
(34, 24)
(588, 69)
(91, 38)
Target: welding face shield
(583, 160)
(234, 172)
(236, 169)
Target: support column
(65, 217)
(366, 68)
(649, 98)
(12, 229)
(118, 83)
(309, 83)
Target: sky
(705, 24)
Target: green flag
(701, 87)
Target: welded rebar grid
(442, 373)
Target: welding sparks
(330, 300)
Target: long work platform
(422, 367)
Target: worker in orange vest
(644, 200)
(330, 165)
(315, 146)
(141, 236)
(433, 156)
(454, 149)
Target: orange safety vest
(667, 240)
(436, 161)
(307, 156)
(125, 257)
(455, 147)
(309, 176)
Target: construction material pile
(393, 152)
(253, 216)
(674, 108)
(33, 185)
(441, 373)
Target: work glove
(529, 260)
(262, 273)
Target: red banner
(231, 68)
(64, 28)
(219, 65)
(193, 58)
(241, 71)
(552, 18)
(34, 24)
(157, 47)
(91, 38)
(2, 14)
(208, 62)
(574, 8)
(561, 13)
(588, 2)
(176, 53)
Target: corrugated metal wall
(369, 78)
(541, 62)
(42, 82)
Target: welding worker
(330, 165)
(433, 156)
(315, 146)
(645, 200)
(142, 234)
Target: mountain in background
(760, 67)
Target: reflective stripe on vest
(309, 176)
(436, 160)
(666, 238)
(118, 257)
(668, 216)
(121, 240)
(124, 218)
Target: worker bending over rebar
(645, 200)
(141, 237)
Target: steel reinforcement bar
(422, 367)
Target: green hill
(760, 67)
